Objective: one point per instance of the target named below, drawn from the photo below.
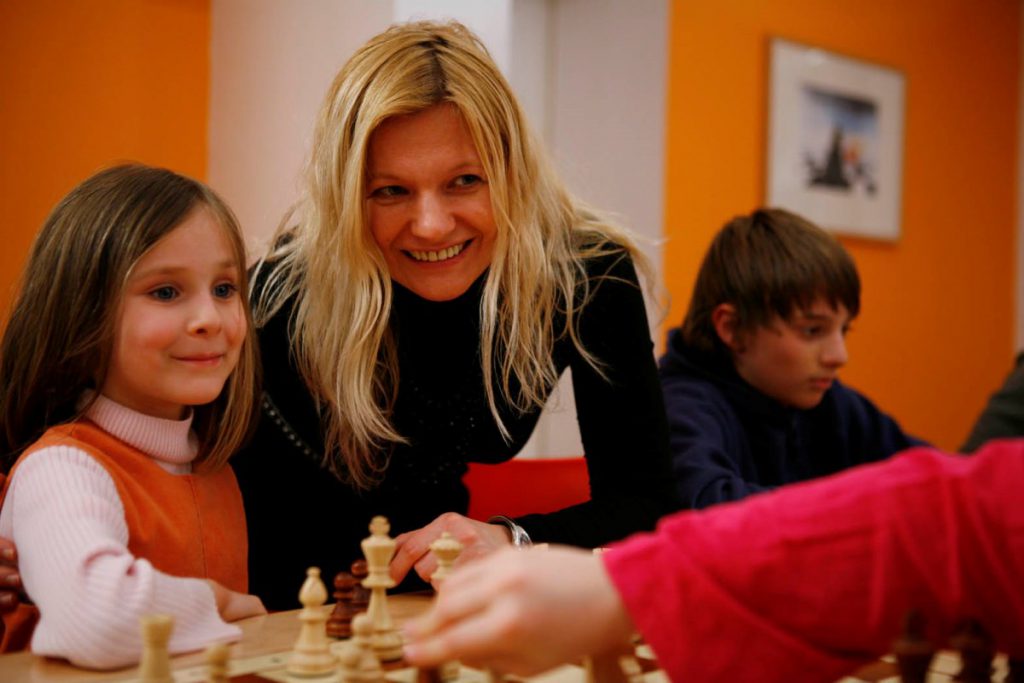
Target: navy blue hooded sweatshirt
(729, 440)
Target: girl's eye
(225, 290)
(467, 180)
(388, 192)
(164, 293)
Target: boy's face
(795, 361)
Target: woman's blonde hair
(331, 265)
(60, 336)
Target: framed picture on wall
(835, 143)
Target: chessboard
(273, 669)
(297, 645)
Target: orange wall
(84, 83)
(935, 334)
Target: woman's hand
(233, 606)
(477, 539)
(10, 579)
(522, 612)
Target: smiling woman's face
(428, 202)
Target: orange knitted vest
(185, 525)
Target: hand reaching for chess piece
(413, 547)
(521, 612)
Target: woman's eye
(225, 290)
(164, 293)
(388, 192)
(467, 180)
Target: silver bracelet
(520, 539)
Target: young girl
(128, 369)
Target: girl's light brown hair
(331, 265)
(59, 337)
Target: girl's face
(428, 202)
(181, 323)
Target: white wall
(590, 74)
(606, 127)
(271, 63)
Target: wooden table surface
(271, 634)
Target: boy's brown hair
(769, 264)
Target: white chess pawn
(359, 663)
(446, 549)
(217, 663)
(312, 655)
(378, 549)
(155, 666)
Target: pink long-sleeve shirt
(67, 520)
(813, 580)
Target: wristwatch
(520, 539)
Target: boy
(750, 378)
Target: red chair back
(524, 486)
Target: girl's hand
(477, 539)
(10, 580)
(522, 612)
(233, 606)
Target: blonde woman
(415, 316)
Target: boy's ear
(726, 324)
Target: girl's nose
(205, 316)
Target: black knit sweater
(300, 515)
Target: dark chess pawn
(913, 652)
(361, 594)
(339, 624)
(1015, 674)
(977, 650)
